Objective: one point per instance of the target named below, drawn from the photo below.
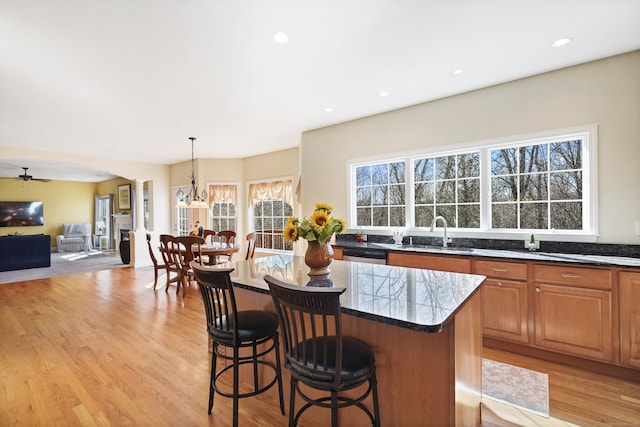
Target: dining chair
(184, 250)
(238, 330)
(318, 355)
(228, 235)
(166, 245)
(156, 266)
(206, 233)
(251, 245)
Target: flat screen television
(21, 214)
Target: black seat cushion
(252, 325)
(357, 358)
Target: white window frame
(250, 207)
(178, 211)
(588, 134)
(210, 202)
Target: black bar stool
(316, 352)
(230, 328)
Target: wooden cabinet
(453, 263)
(630, 319)
(567, 309)
(505, 307)
(572, 311)
(337, 252)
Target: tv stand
(21, 252)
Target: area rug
(66, 263)
(519, 387)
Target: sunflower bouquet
(320, 226)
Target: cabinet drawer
(452, 263)
(575, 276)
(502, 269)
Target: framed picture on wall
(124, 196)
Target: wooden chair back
(154, 260)
(251, 245)
(167, 242)
(206, 233)
(227, 234)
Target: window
(448, 186)
(380, 195)
(538, 186)
(271, 207)
(541, 184)
(181, 224)
(222, 200)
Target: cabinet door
(573, 321)
(337, 253)
(505, 310)
(453, 263)
(630, 319)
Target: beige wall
(279, 164)
(604, 92)
(64, 202)
(111, 187)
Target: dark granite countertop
(512, 254)
(418, 299)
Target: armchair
(74, 237)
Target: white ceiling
(135, 79)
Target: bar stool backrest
(311, 328)
(219, 302)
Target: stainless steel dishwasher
(369, 255)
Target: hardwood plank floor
(104, 349)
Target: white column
(139, 249)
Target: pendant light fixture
(192, 200)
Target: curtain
(271, 190)
(223, 194)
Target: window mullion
(485, 189)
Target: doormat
(519, 387)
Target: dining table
(214, 250)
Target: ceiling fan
(26, 177)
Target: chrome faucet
(445, 240)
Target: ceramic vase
(318, 257)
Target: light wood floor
(104, 349)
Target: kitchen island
(423, 325)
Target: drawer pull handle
(500, 270)
(570, 276)
(538, 290)
(499, 283)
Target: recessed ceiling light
(561, 42)
(328, 109)
(280, 37)
(457, 72)
(383, 93)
